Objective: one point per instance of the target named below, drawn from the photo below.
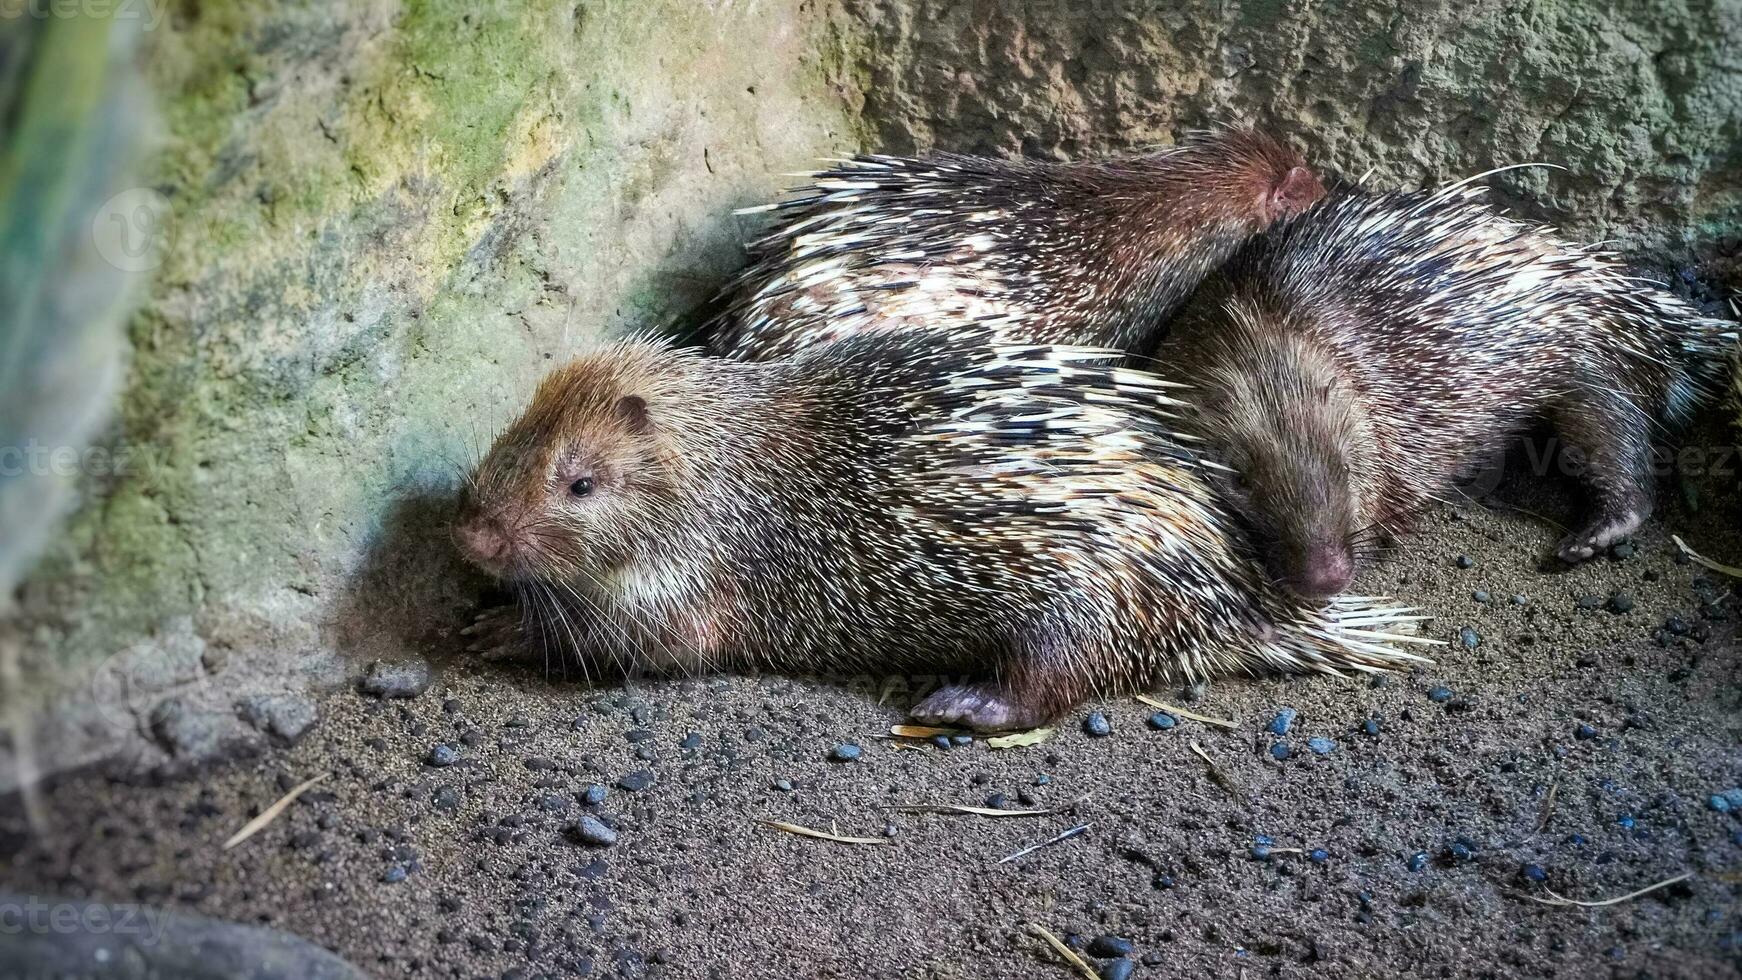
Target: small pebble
(1120, 969)
(1462, 850)
(443, 756)
(1520, 600)
(1588, 602)
(595, 794)
(1279, 751)
(691, 741)
(1318, 855)
(406, 679)
(960, 740)
(1624, 550)
(395, 874)
(1109, 947)
(1469, 638)
(1534, 872)
(593, 831)
(845, 752)
(1482, 596)
(1465, 561)
(1418, 861)
(1620, 603)
(1260, 852)
(1370, 727)
(636, 781)
(1585, 731)
(1626, 821)
(942, 742)
(1042, 779)
(1097, 725)
(1283, 721)
(1439, 695)
(784, 785)
(1161, 721)
(1321, 745)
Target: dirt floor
(1574, 750)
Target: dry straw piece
(271, 813)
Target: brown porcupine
(1355, 361)
(1096, 252)
(892, 502)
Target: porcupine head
(563, 496)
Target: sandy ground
(1495, 780)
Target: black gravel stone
(636, 781)
(1469, 638)
(1620, 603)
(1161, 721)
(1120, 969)
(1588, 602)
(1097, 725)
(1465, 561)
(845, 752)
(443, 756)
(446, 798)
(1109, 947)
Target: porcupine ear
(632, 409)
(1297, 190)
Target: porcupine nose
(1325, 571)
(483, 542)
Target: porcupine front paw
(980, 707)
(1597, 536)
(496, 634)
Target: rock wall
(387, 217)
(1641, 100)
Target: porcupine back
(1095, 252)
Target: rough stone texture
(1642, 101)
(387, 218)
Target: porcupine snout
(484, 542)
(1317, 569)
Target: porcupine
(1360, 358)
(1096, 252)
(893, 502)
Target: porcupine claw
(495, 633)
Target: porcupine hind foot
(1031, 689)
(1612, 436)
(986, 707)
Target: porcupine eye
(581, 487)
